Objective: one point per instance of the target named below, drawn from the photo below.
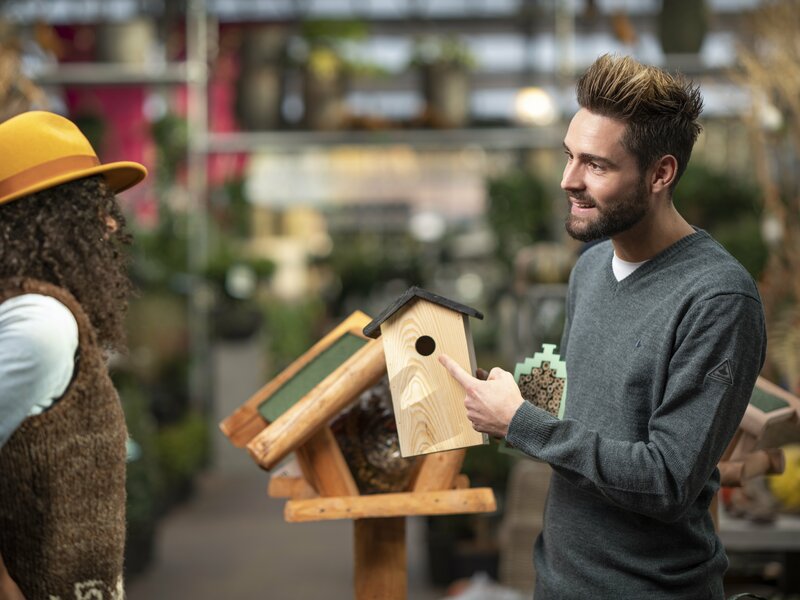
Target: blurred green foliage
(364, 261)
(445, 50)
(729, 208)
(144, 478)
(519, 211)
(292, 328)
(183, 450)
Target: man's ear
(664, 173)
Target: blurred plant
(327, 48)
(327, 53)
(143, 482)
(18, 94)
(231, 208)
(93, 126)
(682, 26)
(770, 70)
(443, 64)
(729, 208)
(363, 262)
(183, 450)
(160, 254)
(293, 327)
(519, 212)
(786, 486)
(171, 136)
(446, 50)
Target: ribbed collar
(656, 262)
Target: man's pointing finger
(458, 373)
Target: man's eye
(595, 167)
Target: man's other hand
(490, 404)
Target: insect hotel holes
(425, 345)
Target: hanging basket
(682, 26)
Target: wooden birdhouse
(428, 402)
(307, 410)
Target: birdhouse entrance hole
(425, 345)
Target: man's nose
(570, 179)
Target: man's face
(606, 192)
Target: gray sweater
(660, 367)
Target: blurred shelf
(456, 16)
(494, 138)
(119, 74)
(745, 536)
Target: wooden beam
(447, 502)
(439, 470)
(755, 464)
(341, 388)
(324, 466)
(246, 422)
(380, 559)
(296, 488)
(243, 425)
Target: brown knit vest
(62, 480)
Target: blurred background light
(535, 106)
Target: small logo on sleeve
(722, 373)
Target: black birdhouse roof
(373, 330)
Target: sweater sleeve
(718, 353)
(38, 340)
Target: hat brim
(119, 177)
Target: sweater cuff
(530, 428)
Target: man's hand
(491, 404)
(8, 589)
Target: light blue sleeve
(38, 340)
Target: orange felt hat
(39, 150)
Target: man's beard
(612, 219)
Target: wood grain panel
(428, 402)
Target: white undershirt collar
(623, 268)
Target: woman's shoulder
(38, 323)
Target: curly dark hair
(63, 235)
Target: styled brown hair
(659, 109)
(62, 235)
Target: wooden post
(380, 559)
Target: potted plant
(444, 64)
(260, 84)
(324, 53)
(682, 26)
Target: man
(664, 339)
(63, 293)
